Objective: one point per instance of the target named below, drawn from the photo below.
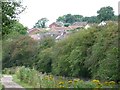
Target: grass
(1, 86)
(30, 78)
(15, 79)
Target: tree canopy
(41, 23)
(105, 13)
(10, 11)
(69, 18)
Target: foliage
(88, 53)
(18, 27)
(105, 13)
(44, 61)
(66, 24)
(41, 23)
(72, 52)
(91, 53)
(49, 81)
(10, 10)
(1, 86)
(103, 59)
(18, 50)
(92, 19)
(46, 42)
(68, 18)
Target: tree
(19, 50)
(41, 23)
(78, 18)
(18, 27)
(61, 19)
(105, 13)
(92, 19)
(10, 10)
(70, 19)
(115, 18)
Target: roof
(58, 24)
(81, 24)
(60, 28)
(64, 28)
(35, 30)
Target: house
(87, 26)
(56, 24)
(103, 23)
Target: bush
(19, 51)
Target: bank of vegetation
(91, 53)
(30, 78)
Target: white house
(102, 23)
(87, 26)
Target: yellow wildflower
(61, 83)
(112, 83)
(76, 80)
(106, 83)
(96, 81)
(50, 78)
(61, 86)
(70, 82)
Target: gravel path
(6, 80)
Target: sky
(52, 9)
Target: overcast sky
(52, 9)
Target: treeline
(91, 53)
(104, 14)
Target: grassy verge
(15, 79)
(1, 86)
(30, 78)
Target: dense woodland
(91, 53)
